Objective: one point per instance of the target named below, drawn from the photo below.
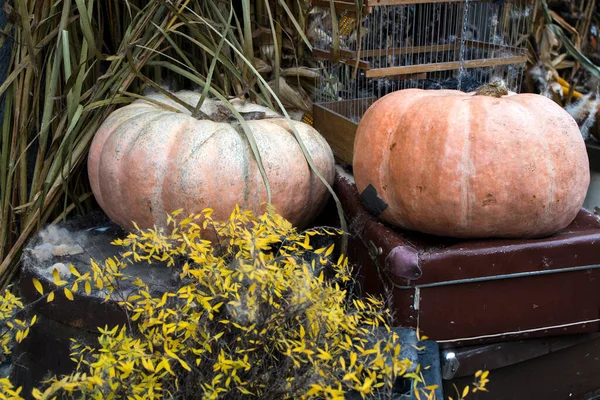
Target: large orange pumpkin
(146, 161)
(457, 164)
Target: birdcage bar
(368, 4)
(447, 66)
(345, 6)
(346, 57)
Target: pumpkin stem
(492, 89)
(224, 114)
(201, 115)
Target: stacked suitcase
(492, 304)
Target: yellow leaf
(329, 250)
(165, 364)
(88, 288)
(314, 390)
(55, 276)
(184, 365)
(324, 355)
(50, 297)
(38, 286)
(74, 271)
(147, 364)
(353, 358)
(68, 294)
(465, 392)
(485, 375)
(170, 353)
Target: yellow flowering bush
(259, 311)
(11, 329)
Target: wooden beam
(445, 66)
(422, 75)
(337, 129)
(341, 5)
(350, 6)
(407, 50)
(348, 54)
(375, 3)
(490, 46)
(346, 57)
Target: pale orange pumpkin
(146, 161)
(454, 164)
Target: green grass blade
(13, 75)
(177, 49)
(247, 40)
(157, 87)
(106, 102)
(294, 22)
(335, 34)
(85, 16)
(153, 101)
(26, 29)
(67, 66)
(4, 145)
(275, 46)
(222, 59)
(213, 64)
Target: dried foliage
(563, 58)
(75, 61)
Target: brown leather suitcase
(460, 292)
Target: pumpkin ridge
(384, 173)
(551, 189)
(469, 157)
(318, 149)
(159, 194)
(432, 170)
(197, 146)
(535, 115)
(121, 170)
(98, 167)
(246, 152)
(115, 136)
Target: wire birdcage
(389, 45)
